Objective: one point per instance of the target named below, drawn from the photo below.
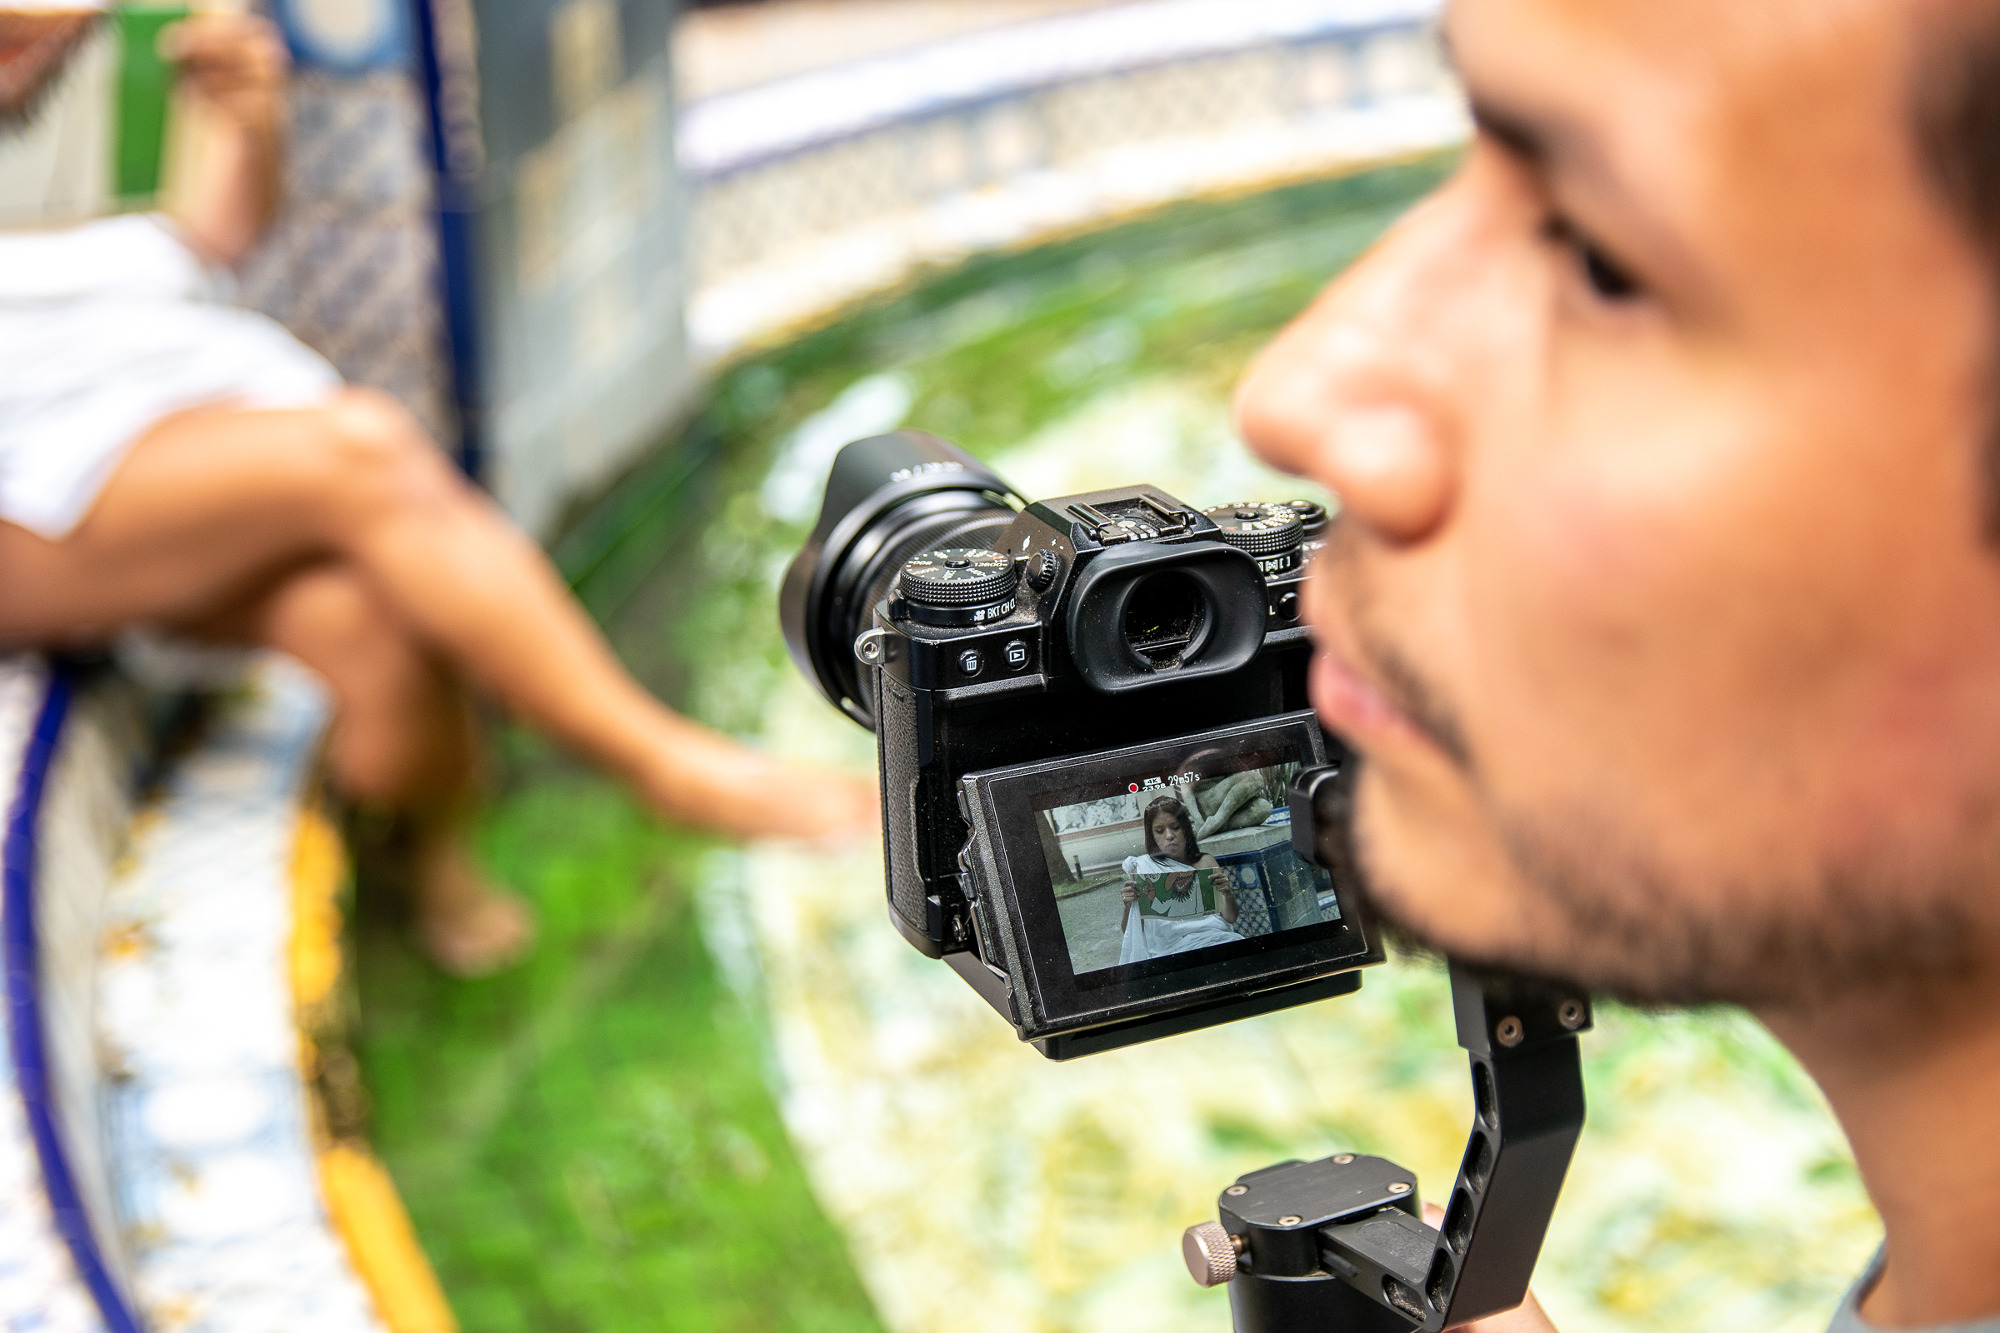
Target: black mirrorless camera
(1090, 712)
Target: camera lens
(1166, 619)
(889, 498)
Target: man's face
(1661, 606)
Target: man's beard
(36, 47)
(1628, 924)
(1632, 930)
(1637, 931)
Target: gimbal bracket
(1339, 1245)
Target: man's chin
(1412, 933)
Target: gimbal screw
(1343, 1159)
(1290, 1220)
(1210, 1252)
(1508, 1031)
(1237, 1189)
(1399, 1187)
(1571, 1014)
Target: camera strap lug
(876, 647)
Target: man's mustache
(1343, 567)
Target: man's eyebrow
(1513, 130)
(1520, 134)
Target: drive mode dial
(1272, 535)
(959, 585)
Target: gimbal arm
(1339, 1245)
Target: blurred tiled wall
(560, 132)
(750, 210)
(584, 232)
(351, 264)
(813, 189)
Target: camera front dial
(959, 586)
(1272, 535)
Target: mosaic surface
(39, 1288)
(205, 1115)
(350, 265)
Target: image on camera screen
(1166, 864)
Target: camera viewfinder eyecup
(1143, 611)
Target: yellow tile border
(360, 1198)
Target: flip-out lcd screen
(1114, 886)
(1163, 864)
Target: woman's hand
(1130, 893)
(233, 67)
(235, 63)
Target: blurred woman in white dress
(168, 460)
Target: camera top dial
(1312, 514)
(958, 586)
(1272, 535)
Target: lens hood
(888, 497)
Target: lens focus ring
(959, 576)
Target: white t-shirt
(105, 328)
(57, 168)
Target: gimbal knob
(1211, 1253)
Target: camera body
(1031, 671)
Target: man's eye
(1605, 277)
(1608, 279)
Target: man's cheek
(1587, 632)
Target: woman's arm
(234, 67)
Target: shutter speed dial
(957, 586)
(1272, 535)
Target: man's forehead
(1698, 109)
(1804, 63)
(1711, 34)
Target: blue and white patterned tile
(39, 1287)
(207, 1123)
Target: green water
(588, 1142)
(594, 1141)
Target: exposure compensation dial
(959, 586)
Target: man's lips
(1350, 705)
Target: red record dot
(1133, 788)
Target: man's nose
(1356, 393)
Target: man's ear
(35, 49)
